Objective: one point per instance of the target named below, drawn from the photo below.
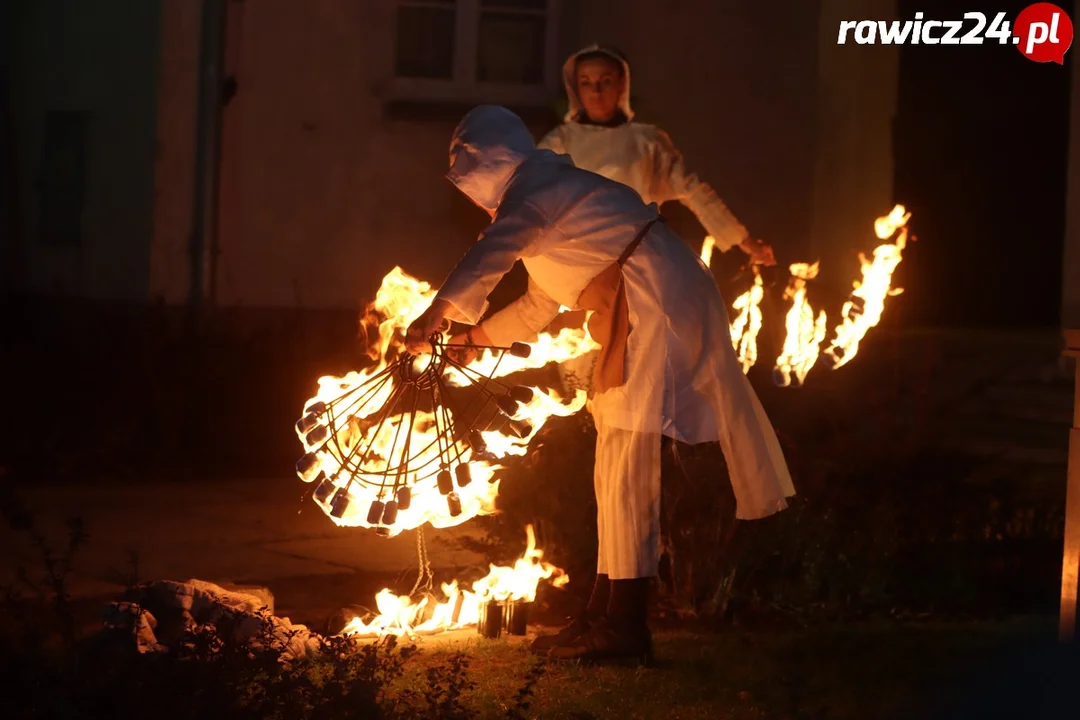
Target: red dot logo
(1043, 32)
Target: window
(425, 40)
(476, 50)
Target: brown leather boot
(605, 643)
(568, 634)
(621, 636)
(578, 626)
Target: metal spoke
(408, 465)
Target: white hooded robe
(683, 379)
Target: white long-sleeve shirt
(643, 157)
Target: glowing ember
(804, 333)
(399, 615)
(343, 417)
(747, 325)
(864, 306)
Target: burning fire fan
(416, 439)
(401, 432)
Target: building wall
(853, 172)
(734, 84)
(325, 187)
(174, 174)
(322, 191)
(1070, 311)
(97, 62)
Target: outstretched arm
(463, 296)
(672, 181)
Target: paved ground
(245, 531)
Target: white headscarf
(570, 81)
(487, 147)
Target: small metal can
(464, 475)
(404, 498)
(490, 624)
(453, 503)
(517, 617)
(309, 467)
(445, 482)
(339, 504)
(390, 511)
(325, 489)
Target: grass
(885, 526)
(758, 665)
(885, 670)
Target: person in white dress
(666, 365)
(600, 135)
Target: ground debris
(160, 614)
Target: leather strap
(637, 240)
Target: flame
(400, 615)
(863, 309)
(568, 344)
(343, 415)
(354, 402)
(706, 250)
(744, 330)
(804, 333)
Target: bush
(887, 522)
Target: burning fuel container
(490, 624)
(517, 617)
(499, 616)
(324, 489)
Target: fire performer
(666, 364)
(599, 134)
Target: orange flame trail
(804, 333)
(747, 325)
(863, 309)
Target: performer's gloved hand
(759, 252)
(431, 321)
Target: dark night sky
(981, 149)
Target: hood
(570, 81)
(488, 145)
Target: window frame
(463, 86)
